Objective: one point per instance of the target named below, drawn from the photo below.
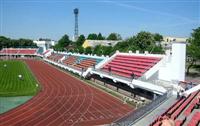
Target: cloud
(158, 12)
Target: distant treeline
(143, 41)
(16, 43)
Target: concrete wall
(178, 61)
(174, 67)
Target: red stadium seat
(124, 65)
(183, 108)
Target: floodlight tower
(76, 24)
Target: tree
(155, 49)
(114, 36)
(98, 50)
(4, 42)
(120, 46)
(92, 36)
(100, 37)
(7, 43)
(80, 40)
(158, 37)
(88, 50)
(80, 49)
(107, 50)
(25, 43)
(62, 43)
(193, 48)
(144, 40)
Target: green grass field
(11, 84)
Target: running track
(64, 101)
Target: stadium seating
(183, 108)
(46, 52)
(84, 64)
(18, 51)
(126, 65)
(80, 62)
(27, 51)
(55, 57)
(195, 120)
(70, 60)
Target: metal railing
(134, 116)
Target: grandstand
(183, 111)
(145, 71)
(148, 77)
(70, 60)
(18, 51)
(149, 72)
(46, 52)
(126, 65)
(55, 57)
(85, 63)
(76, 62)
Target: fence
(134, 116)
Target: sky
(52, 19)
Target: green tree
(80, 40)
(4, 42)
(88, 50)
(155, 49)
(120, 46)
(144, 40)
(158, 37)
(92, 36)
(7, 43)
(80, 49)
(193, 48)
(107, 50)
(100, 37)
(25, 43)
(62, 43)
(114, 36)
(98, 50)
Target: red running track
(64, 101)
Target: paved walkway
(145, 121)
(8, 103)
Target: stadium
(116, 79)
(62, 95)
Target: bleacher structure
(132, 69)
(145, 71)
(183, 112)
(137, 70)
(76, 63)
(126, 65)
(156, 73)
(55, 57)
(19, 51)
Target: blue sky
(54, 18)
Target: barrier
(134, 116)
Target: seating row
(181, 108)
(130, 66)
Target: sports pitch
(10, 82)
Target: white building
(44, 44)
(167, 41)
(174, 39)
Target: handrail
(134, 116)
